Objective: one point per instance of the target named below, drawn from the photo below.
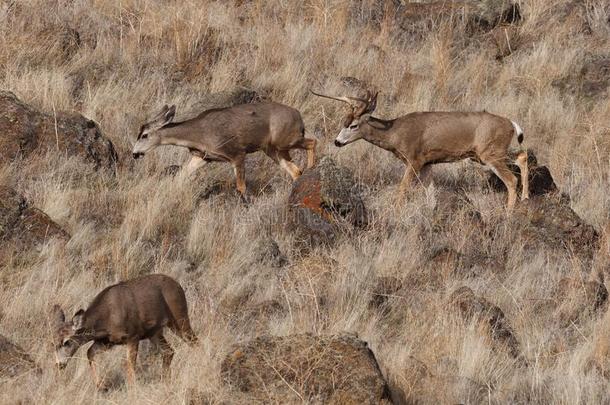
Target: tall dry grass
(132, 56)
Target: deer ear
(78, 320)
(372, 104)
(169, 115)
(56, 316)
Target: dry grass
(132, 56)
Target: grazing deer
(124, 314)
(421, 139)
(228, 134)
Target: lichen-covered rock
(575, 298)
(590, 81)
(324, 198)
(548, 222)
(22, 227)
(416, 19)
(472, 306)
(25, 131)
(13, 359)
(306, 368)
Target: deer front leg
(132, 357)
(286, 164)
(240, 175)
(95, 348)
(195, 163)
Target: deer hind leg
(521, 162)
(508, 178)
(240, 175)
(167, 353)
(310, 146)
(132, 357)
(286, 164)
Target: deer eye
(144, 136)
(353, 126)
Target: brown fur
(126, 313)
(228, 134)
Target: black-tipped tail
(520, 138)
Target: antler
(359, 105)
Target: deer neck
(178, 135)
(378, 133)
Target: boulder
(548, 223)
(416, 19)
(14, 361)
(472, 306)
(590, 81)
(268, 252)
(541, 181)
(575, 298)
(337, 369)
(25, 131)
(324, 198)
(23, 227)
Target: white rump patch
(518, 129)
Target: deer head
(360, 113)
(148, 138)
(68, 336)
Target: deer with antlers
(228, 134)
(421, 139)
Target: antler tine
(346, 99)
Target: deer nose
(137, 155)
(338, 144)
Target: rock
(540, 179)
(591, 81)
(325, 197)
(548, 223)
(25, 131)
(575, 298)
(23, 228)
(417, 19)
(473, 306)
(268, 252)
(14, 361)
(337, 369)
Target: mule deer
(228, 134)
(124, 314)
(421, 139)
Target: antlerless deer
(228, 134)
(124, 314)
(421, 139)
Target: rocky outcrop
(305, 368)
(548, 223)
(325, 198)
(25, 131)
(23, 227)
(590, 81)
(574, 298)
(472, 306)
